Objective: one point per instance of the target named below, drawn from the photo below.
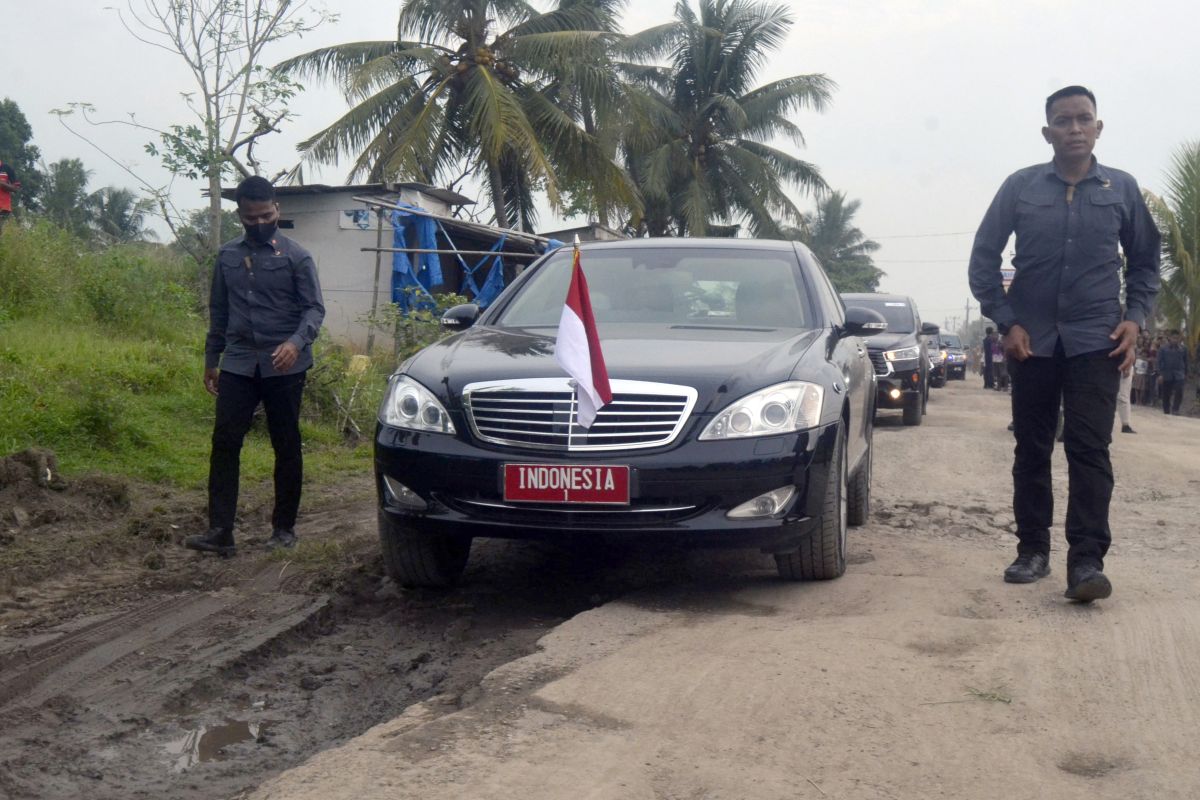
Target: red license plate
(571, 483)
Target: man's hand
(210, 380)
(284, 356)
(1126, 337)
(1016, 343)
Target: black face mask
(262, 233)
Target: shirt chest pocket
(1102, 216)
(273, 274)
(1036, 217)
(233, 270)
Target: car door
(849, 355)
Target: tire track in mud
(157, 648)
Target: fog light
(765, 505)
(894, 394)
(401, 495)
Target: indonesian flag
(578, 350)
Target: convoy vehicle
(742, 413)
(954, 356)
(899, 354)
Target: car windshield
(899, 314)
(951, 341)
(718, 287)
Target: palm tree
(839, 245)
(65, 199)
(1178, 216)
(119, 216)
(698, 146)
(463, 88)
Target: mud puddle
(206, 693)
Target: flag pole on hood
(577, 349)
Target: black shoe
(217, 540)
(1028, 568)
(1087, 583)
(1011, 426)
(281, 538)
(1127, 429)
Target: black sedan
(742, 410)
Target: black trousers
(237, 397)
(987, 375)
(1172, 396)
(1086, 385)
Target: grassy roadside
(101, 356)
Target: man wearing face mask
(265, 309)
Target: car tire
(914, 408)
(859, 504)
(416, 559)
(822, 554)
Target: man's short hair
(256, 189)
(1069, 91)
(990, 331)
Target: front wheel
(914, 408)
(822, 554)
(413, 558)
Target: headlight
(903, 354)
(782, 408)
(408, 404)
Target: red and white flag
(578, 349)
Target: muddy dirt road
(675, 675)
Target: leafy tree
(697, 142)
(65, 198)
(1178, 215)
(195, 230)
(16, 149)
(119, 216)
(473, 87)
(839, 245)
(237, 101)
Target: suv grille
(879, 362)
(539, 413)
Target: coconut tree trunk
(497, 185)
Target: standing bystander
(9, 183)
(1062, 323)
(1172, 370)
(265, 310)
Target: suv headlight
(782, 408)
(903, 354)
(408, 404)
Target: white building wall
(324, 225)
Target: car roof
(899, 298)
(692, 243)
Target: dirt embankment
(918, 674)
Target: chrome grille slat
(538, 413)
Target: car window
(725, 288)
(951, 341)
(898, 313)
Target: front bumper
(680, 491)
(897, 385)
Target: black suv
(954, 357)
(900, 355)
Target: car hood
(890, 341)
(721, 364)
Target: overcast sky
(938, 101)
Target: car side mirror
(929, 329)
(863, 322)
(460, 317)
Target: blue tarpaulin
(414, 274)
(493, 284)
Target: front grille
(643, 513)
(539, 413)
(879, 362)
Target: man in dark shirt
(1062, 323)
(265, 309)
(1172, 369)
(989, 380)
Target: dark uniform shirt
(262, 296)
(1067, 284)
(1172, 362)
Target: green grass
(101, 359)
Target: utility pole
(967, 325)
